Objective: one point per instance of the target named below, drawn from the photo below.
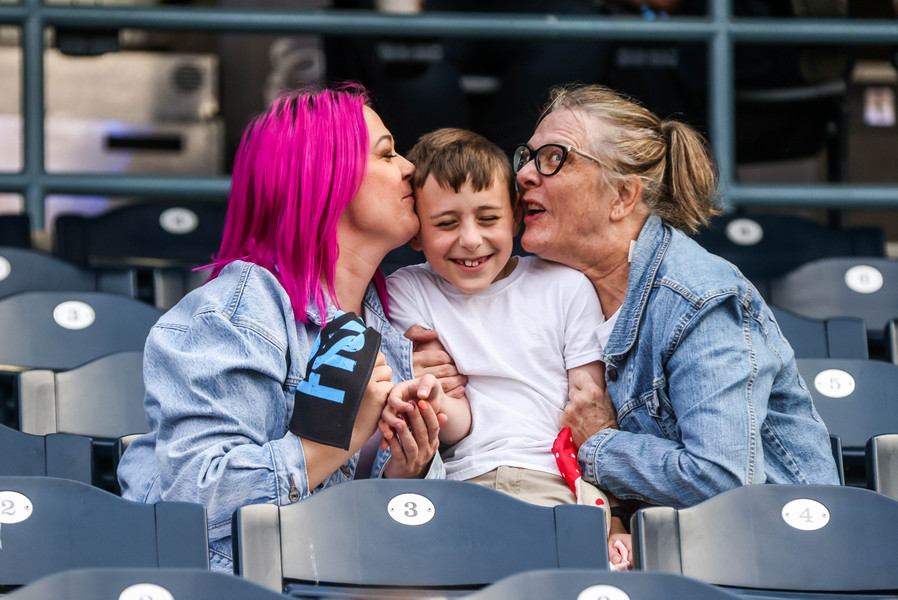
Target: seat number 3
(410, 509)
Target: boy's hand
(430, 357)
(413, 445)
(620, 550)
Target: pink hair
(298, 166)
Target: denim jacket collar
(650, 247)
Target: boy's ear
(415, 243)
(517, 213)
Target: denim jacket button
(346, 470)
(612, 374)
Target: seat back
(54, 455)
(151, 233)
(27, 270)
(836, 337)
(801, 538)
(62, 330)
(143, 584)
(163, 240)
(865, 288)
(595, 584)
(102, 398)
(882, 464)
(766, 246)
(51, 525)
(856, 399)
(447, 533)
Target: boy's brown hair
(457, 156)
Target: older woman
(704, 390)
(319, 196)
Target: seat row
(441, 538)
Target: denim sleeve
(711, 401)
(217, 390)
(437, 469)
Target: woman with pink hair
(263, 384)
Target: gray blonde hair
(678, 172)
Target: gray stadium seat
(55, 455)
(856, 398)
(26, 270)
(52, 525)
(837, 337)
(882, 464)
(142, 584)
(865, 288)
(377, 533)
(777, 541)
(593, 584)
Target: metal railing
(720, 30)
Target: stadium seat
(162, 239)
(594, 584)
(882, 464)
(409, 534)
(836, 445)
(865, 288)
(891, 340)
(102, 399)
(63, 330)
(794, 540)
(51, 525)
(856, 398)
(142, 584)
(767, 246)
(26, 270)
(837, 337)
(54, 455)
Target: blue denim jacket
(221, 369)
(707, 391)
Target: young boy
(517, 327)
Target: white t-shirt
(515, 342)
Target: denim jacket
(221, 369)
(706, 388)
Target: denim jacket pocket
(650, 413)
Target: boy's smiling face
(467, 237)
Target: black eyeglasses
(549, 158)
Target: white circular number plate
(5, 268)
(805, 514)
(74, 315)
(178, 221)
(603, 592)
(863, 279)
(410, 509)
(145, 591)
(834, 383)
(744, 232)
(14, 507)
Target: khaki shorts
(535, 487)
